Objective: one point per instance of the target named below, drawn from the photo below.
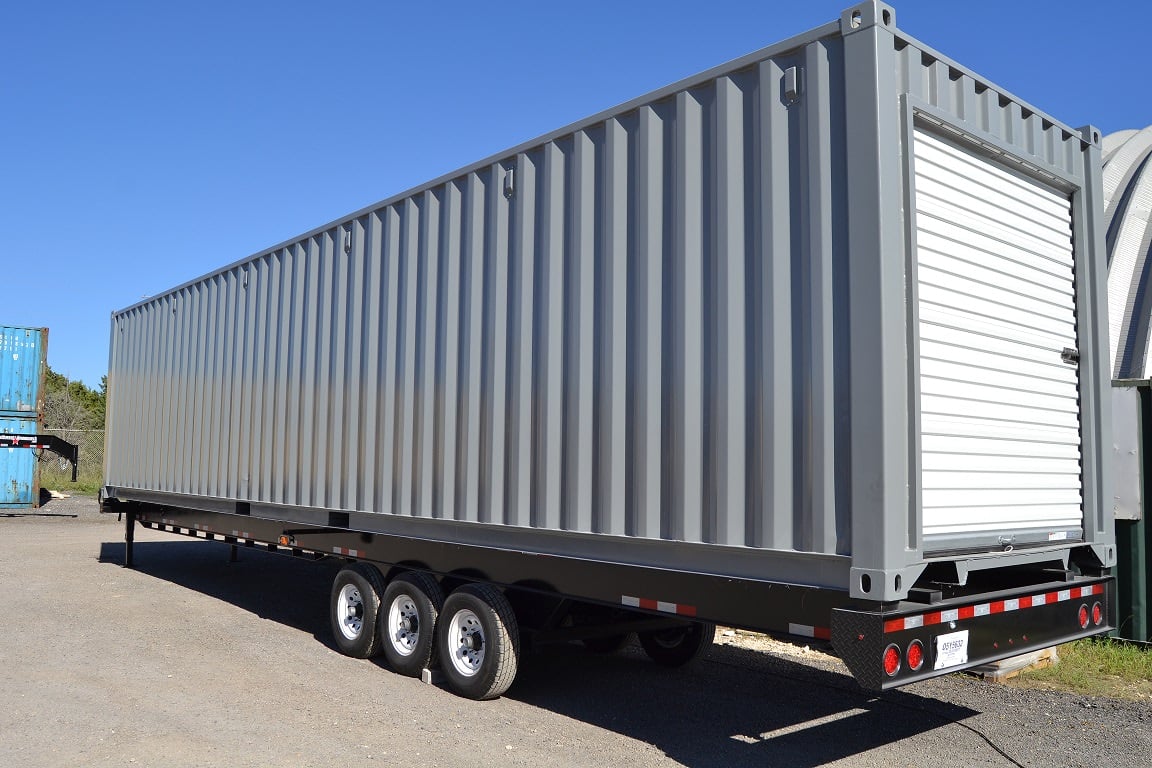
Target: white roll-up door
(999, 410)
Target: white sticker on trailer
(951, 649)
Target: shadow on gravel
(278, 588)
(732, 707)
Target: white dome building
(1128, 213)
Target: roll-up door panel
(999, 407)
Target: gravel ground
(193, 661)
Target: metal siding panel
(184, 445)
(425, 361)
(264, 423)
(166, 453)
(497, 400)
(23, 352)
(548, 346)
(434, 371)
(648, 333)
(389, 362)
(612, 385)
(687, 325)
(335, 412)
(19, 473)
(522, 285)
(451, 322)
(370, 248)
(773, 326)
(135, 333)
(728, 501)
(228, 435)
(1128, 456)
(255, 334)
(406, 359)
(991, 379)
(292, 374)
(472, 281)
(310, 345)
(177, 382)
(818, 437)
(579, 325)
(154, 350)
(328, 374)
(355, 373)
(125, 394)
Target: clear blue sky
(145, 144)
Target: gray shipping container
(822, 315)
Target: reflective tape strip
(345, 552)
(986, 609)
(657, 605)
(820, 633)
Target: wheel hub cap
(352, 609)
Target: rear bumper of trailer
(890, 648)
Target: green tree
(72, 405)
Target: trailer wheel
(412, 603)
(677, 646)
(479, 642)
(355, 604)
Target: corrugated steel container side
(19, 470)
(683, 320)
(23, 363)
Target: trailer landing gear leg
(129, 533)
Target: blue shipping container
(19, 480)
(23, 355)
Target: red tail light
(915, 655)
(891, 660)
(1097, 614)
(1083, 617)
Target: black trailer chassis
(885, 645)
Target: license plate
(952, 649)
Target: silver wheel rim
(466, 638)
(403, 625)
(350, 610)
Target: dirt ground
(189, 660)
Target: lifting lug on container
(62, 448)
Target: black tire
(354, 608)
(408, 616)
(677, 646)
(479, 642)
(609, 644)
